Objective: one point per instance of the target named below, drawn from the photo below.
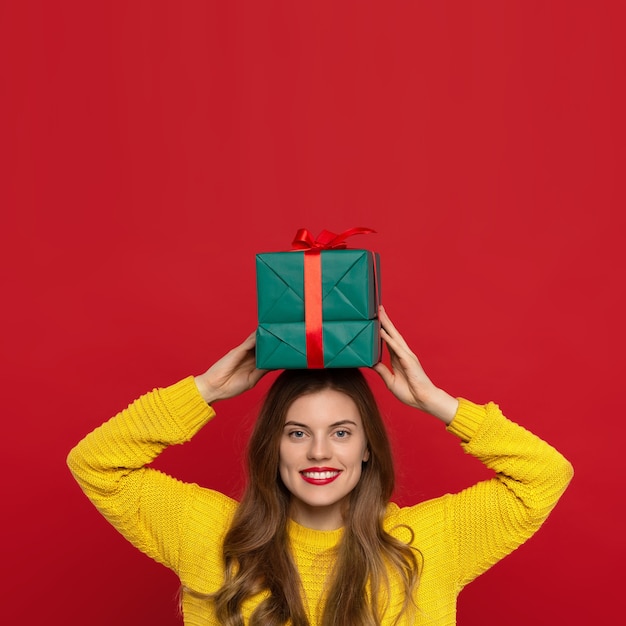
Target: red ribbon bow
(326, 240)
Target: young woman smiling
(321, 428)
(315, 538)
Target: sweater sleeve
(492, 518)
(111, 465)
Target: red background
(152, 148)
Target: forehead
(325, 406)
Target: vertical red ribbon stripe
(312, 247)
(313, 308)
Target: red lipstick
(320, 475)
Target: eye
(296, 434)
(342, 434)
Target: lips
(320, 475)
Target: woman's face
(321, 451)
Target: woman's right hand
(233, 374)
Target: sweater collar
(323, 539)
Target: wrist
(207, 392)
(441, 405)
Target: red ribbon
(313, 319)
(326, 240)
(313, 308)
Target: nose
(319, 448)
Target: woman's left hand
(407, 379)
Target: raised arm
(111, 464)
(488, 520)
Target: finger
(388, 342)
(393, 349)
(384, 372)
(249, 342)
(256, 375)
(386, 322)
(395, 344)
(389, 327)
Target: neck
(317, 517)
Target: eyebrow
(333, 425)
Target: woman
(315, 539)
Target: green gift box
(318, 307)
(346, 344)
(350, 287)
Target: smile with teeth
(320, 476)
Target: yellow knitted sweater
(182, 525)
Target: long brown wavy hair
(255, 551)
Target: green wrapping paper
(350, 292)
(348, 285)
(346, 344)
